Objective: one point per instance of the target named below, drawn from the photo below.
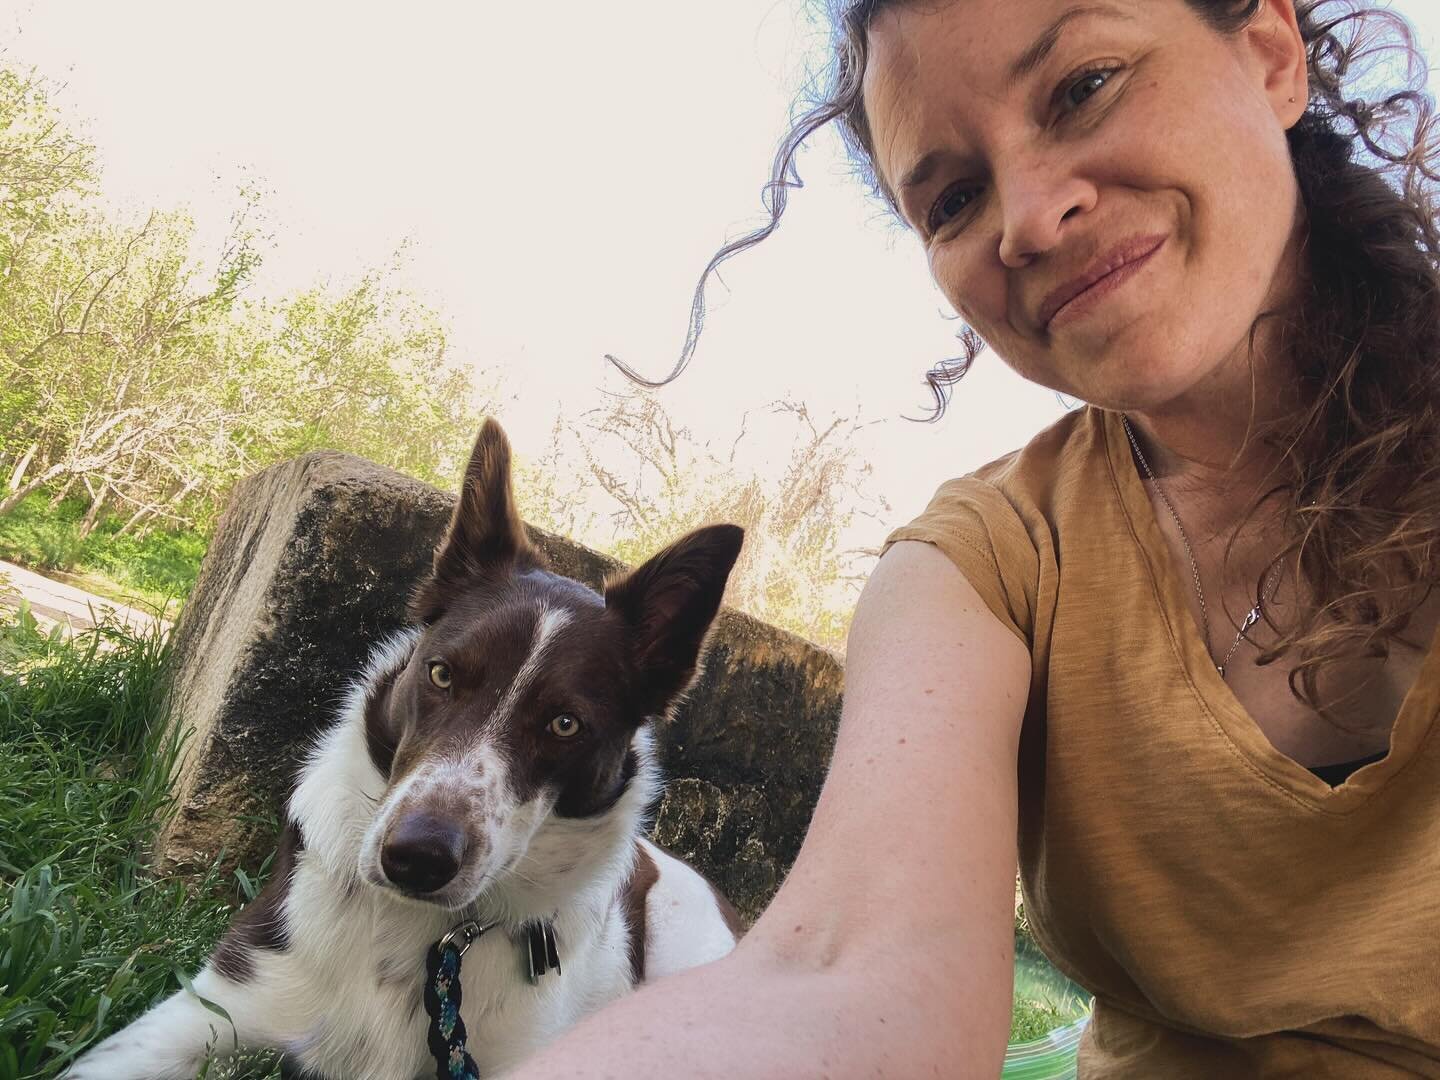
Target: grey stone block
(313, 561)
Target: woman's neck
(1207, 446)
(1210, 439)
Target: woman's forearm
(749, 1017)
(889, 949)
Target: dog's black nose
(422, 852)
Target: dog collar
(446, 1036)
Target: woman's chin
(1137, 374)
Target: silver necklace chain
(1254, 614)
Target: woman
(1180, 643)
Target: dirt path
(54, 602)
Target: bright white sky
(562, 170)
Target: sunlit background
(557, 175)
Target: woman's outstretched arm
(888, 952)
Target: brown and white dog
(495, 762)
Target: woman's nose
(1038, 200)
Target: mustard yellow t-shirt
(1233, 914)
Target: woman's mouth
(1101, 278)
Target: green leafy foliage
(140, 378)
(141, 373)
(152, 568)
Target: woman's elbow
(938, 1006)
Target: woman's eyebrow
(920, 172)
(1025, 64)
(1035, 55)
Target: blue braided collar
(446, 1035)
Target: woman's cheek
(977, 297)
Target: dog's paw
(123, 1057)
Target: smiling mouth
(1103, 277)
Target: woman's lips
(1099, 280)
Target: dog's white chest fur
(348, 994)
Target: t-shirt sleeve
(975, 527)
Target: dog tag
(552, 948)
(535, 948)
(542, 950)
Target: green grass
(1044, 999)
(87, 939)
(1033, 1018)
(153, 569)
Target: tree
(147, 375)
(112, 364)
(794, 571)
(366, 369)
(44, 172)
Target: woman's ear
(1281, 61)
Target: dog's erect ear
(667, 605)
(486, 537)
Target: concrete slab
(56, 603)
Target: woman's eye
(440, 674)
(951, 203)
(564, 726)
(1086, 87)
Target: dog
(484, 794)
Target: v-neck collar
(1412, 726)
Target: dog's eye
(565, 726)
(440, 674)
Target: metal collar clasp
(471, 931)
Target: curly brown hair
(1360, 460)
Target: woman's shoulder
(999, 523)
(996, 524)
(1059, 455)
(1067, 460)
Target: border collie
(487, 784)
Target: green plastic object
(1049, 1058)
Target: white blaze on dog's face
(522, 700)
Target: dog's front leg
(172, 1040)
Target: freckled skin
(1183, 139)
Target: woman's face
(1103, 189)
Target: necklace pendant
(1251, 618)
